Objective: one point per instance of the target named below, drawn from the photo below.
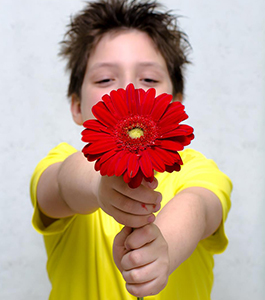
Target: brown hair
(103, 16)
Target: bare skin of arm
(74, 187)
(197, 213)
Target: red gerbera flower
(136, 133)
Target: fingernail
(157, 207)
(151, 219)
(159, 198)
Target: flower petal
(148, 102)
(102, 146)
(183, 140)
(89, 156)
(121, 166)
(97, 165)
(108, 102)
(167, 156)
(149, 179)
(133, 165)
(174, 107)
(95, 125)
(104, 168)
(185, 130)
(172, 121)
(130, 97)
(162, 102)
(157, 162)
(136, 180)
(105, 163)
(175, 167)
(102, 113)
(146, 165)
(140, 95)
(106, 156)
(119, 103)
(126, 177)
(112, 164)
(170, 145)
(90, 136)
(122, 93)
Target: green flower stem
(141, 298)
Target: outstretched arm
(66, 188)
(192, 215)
(74, 187)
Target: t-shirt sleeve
(57, 154)
(199, 171)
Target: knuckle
(147, 230)
(135, 276)
(134, 257)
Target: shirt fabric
(80, 265)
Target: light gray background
(224, 98)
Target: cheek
(165, 88)
(87, 102)
(86, 109)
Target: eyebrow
(102, 65)
(114, 65)
(151, 64)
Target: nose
(127, 78)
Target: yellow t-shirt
(79, 248)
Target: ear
(178, 97)
(76, 109)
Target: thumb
(121, 237)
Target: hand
(130, 207)
(142, 258)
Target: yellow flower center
(136, 133)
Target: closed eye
(104, 80)
(149, 80)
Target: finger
(120, 238)
(152, 287)
(142, 193)
(134, 221)
(141, 275)
(153, 185)
(138, 258)
(142, 236)
(128, 205)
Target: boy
(81, 214)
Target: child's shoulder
(63, 149)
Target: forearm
(68, 188)
(189, 217)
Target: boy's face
(119, 59)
